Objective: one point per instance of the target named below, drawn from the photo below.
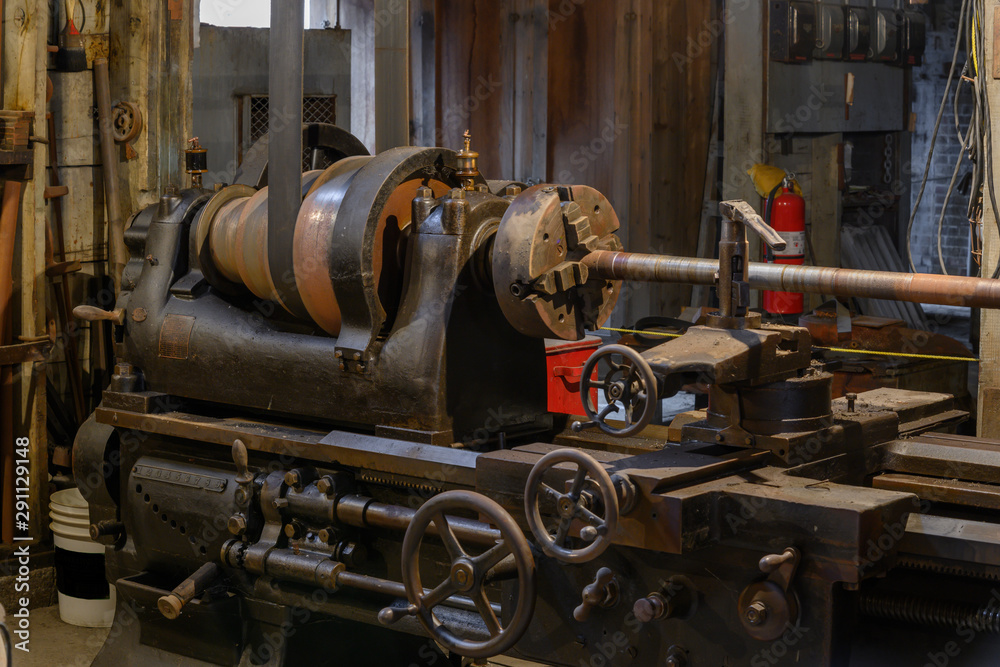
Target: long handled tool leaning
(8, 229)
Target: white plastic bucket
(85, 597)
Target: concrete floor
(57, 644)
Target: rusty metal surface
(916, 287)
(362, 451)
(540, 282)
(971, 494)
(724, 356)
(961, 540)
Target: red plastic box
(564, 362)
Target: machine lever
(576, 427)
(739, 211)
(390, 615)
(244, 478)
(170, 605)
(603, 592)
(242, 462)
(95, 314)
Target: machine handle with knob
(170, 605)
(390, 615)
(242, 461)
(602, 592)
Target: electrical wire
(964, 140)
(934, 136)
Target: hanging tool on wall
(72, 55)
(116, 240)
(8, 229)
(61, 267)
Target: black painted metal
(285, 145)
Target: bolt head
(756, 613)
(325, 485)
(293, 478)
(237, 524)
(353, 554)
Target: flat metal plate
(812, 97)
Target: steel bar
(915, 287)
(284, 147)
(364, 512)
(117, 252)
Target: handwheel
(468, 573)
(627, 387)
(571, 506)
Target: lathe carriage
(337, 449)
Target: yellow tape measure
(847, 350)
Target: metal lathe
(337, 449)
(327, 439)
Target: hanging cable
(934, 135)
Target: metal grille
(315, 109)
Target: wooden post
(825, 206)
(24, 63)
(632, 182)
(746, 66)
(988, 424)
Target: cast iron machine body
(342, 453)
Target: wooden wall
(604, 93)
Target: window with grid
(315, 109)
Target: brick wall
(928, 87)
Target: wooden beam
(988, 424)
(469, 79)
(745, 101)
(25, 57)
(631, 192)
(825, 206)
(530, 71)
(681, 129)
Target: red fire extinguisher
(787, 215)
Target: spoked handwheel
(629, 387)
(468, 573)
(572, 506)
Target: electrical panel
(793, 31)
(857, 35)
(830, 31)
(803, 31)
(885, 36)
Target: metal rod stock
(914, 287)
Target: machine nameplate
(180, 478)
(175, 335)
